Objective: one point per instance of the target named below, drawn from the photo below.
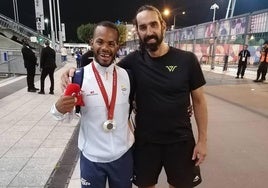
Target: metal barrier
(14, 63)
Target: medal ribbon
(110, 107)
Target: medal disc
(109, 125)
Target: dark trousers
(262, 71)
(44, 73)
(241, 68)
(30, 77)
(78, 63)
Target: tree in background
(85, 33)
(123, 34)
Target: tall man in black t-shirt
(167, 80)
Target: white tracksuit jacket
(96, 144)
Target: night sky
(75, 13)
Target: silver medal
(109, 125)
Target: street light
(51, 24)
(46, 20)
(214, 7)
(46, 26)
(16, 14)
(231, 3)
(174, 18)
(167, 12)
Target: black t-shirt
(163, 87)
(243, 55)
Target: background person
(78, 56)
(243, 61)
(87, 57)
(30, 63)
(64, 54)
(47, 66)
(262, 69)
(105, 154)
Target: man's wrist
(56, 114)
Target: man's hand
(65, 104)
(65, 78)
(200, 152)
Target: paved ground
(34, 147)
(32, 144)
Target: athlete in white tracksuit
(106, 153)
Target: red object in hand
(75, 90)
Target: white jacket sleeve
(56, 114)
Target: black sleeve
(87, 58)
(128, 60)
(196, 75)
(123, 63)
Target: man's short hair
(109, 25)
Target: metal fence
(11, 62)
(216, 42)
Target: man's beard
(152, 47)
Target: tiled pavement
(31, 141)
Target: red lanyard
(110, 107)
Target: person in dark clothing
(262, 69)
(30, 63)
(48, 66)
(78, 56)
(242, 64)
(86, 58)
